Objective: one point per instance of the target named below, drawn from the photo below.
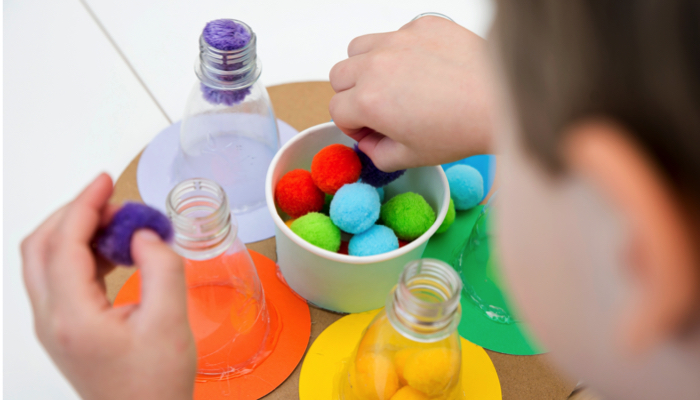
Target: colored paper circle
(513, 338)
(328, 355)
(291, 344)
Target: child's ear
(662, 262)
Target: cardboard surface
(303, 105)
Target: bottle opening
(424, 306)
(199, 211)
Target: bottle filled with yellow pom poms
(411, 350)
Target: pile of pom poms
(114, 241)
(339, 205)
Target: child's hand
(134, 352)
(419, 96)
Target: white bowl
(339, 282)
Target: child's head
(600, 210)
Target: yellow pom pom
(374, 377)
(400, 359)
(289, 222)
(409, 393)
(432, 371)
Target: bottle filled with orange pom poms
(411, 350)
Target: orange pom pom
(297, 195)
(334, 166)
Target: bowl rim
(337, 257)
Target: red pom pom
(403, 243)
(343, 247)
(334, 166)
(297, 195)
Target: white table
(88, 84)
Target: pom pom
(318, 230)
(228, 97)
(449, 218)
(374, 377)
(334, 166)
(409, 215)
(372, 175)
(114, 242)
(466, 186)
(297, 195)
(376, 240)
(355, 207)
(289, 223)
(226, 34)
(431, 371)
(403, 243)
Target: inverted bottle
(235, 328)
(229, 132)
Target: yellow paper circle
(330, 352)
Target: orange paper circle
(326, 359)
(291, 344)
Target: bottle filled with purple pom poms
(229, 132)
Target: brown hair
(637, 62)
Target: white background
(88, 84)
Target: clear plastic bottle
(229, 131)
(411, 350)
(234, 327)
(477, 263)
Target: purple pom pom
(114, 241)
(225, 34)
(372, 175)
(228, 97)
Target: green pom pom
(318, 229)
(409, 215)
(449, 218)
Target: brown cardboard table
(303, 105)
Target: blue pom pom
(355, 207)
(466, 186)
(114, 242)
(376, 240)
(372, 175)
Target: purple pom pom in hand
(372, 175)
(226, 34)
(114, 241)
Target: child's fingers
(163, 289)
(84, 213)
(344, 75)
(347, 113)
(387, 154)
(34, 252)
(366, 43)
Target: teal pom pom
(376, 240)
(355, 207)
(466, 186)
(381, 194)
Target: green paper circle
(514, 338)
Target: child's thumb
(163, 289)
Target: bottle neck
(228, 69)
(424, 306)
(199, 211)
